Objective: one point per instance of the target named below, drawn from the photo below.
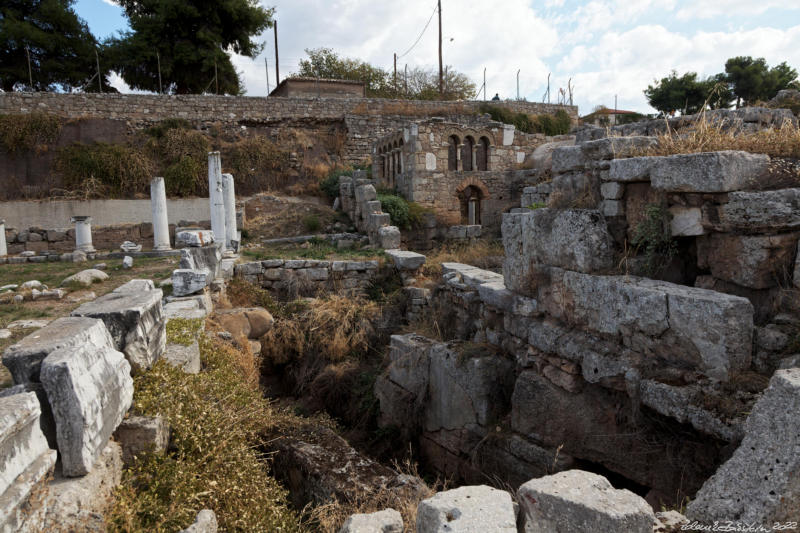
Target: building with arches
(468, 174)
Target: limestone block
(85, 277)
(206, 258)
(617, 147)
(386, 521)
(631, 169)
(477, 509)
(205, 522)
(686, 221)
(575, 501)
(187, 281)
(566, 158)
(496, 295)
(612, 190)
(756, 211)
(796, 276)
(127, 262)
(194, 237)
(613, 208)
(759, 482)
(135, 286)
(187, 358)
(708, 172)
(136, 323)
(25, 462)
(405, 260)
(389, 237)
(90, 389)
(754, 261)
(78, 504)
(410, 362)
(142, 434)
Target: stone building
(319, 88)
(467, 174)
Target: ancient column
(83, 234)
(229, 196)
(216, 198)
(3, 248)
(158, 202)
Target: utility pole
(395, 74)
(30, 72)
(216, 79)
(518, 83)
(266, 67)
(99, 77)
(615, 110)
(405, 79)
(441, 71)
(277, 70)
(484, 84)
(158, 59)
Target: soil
(271, 217)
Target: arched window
(466, 154)
(452, 153)
(482, 156)
(470, 199)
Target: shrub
(330, 185)
(556, 124)
(397, 208)
(416, 214)
(252, 158)
(23, 132)
(179, 143)
(653, 235)
(159, 130)
(312, 223)
(184, 177)
(122, 170)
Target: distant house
(320, 88)
(611, 117)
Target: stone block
(613, 208)
(477, 509)
(187, 358)
(85, 278)
(205, 522)
(686, 221)
(567, 158)
(496, 295)
(756, 211)
(575, 501)
(316, 274)
(142, 434)
(386, 521)
(90, 389)
(755, 261)
(405, 260)
(187, 281)
(194, 238)
(631, 169)
(612, 190)
(247, 322)
(250, 269)
(127, 262)
(136, 323)
(758, 484)
(708, 172)
(135, 286)
(389, 237)
(617, 147)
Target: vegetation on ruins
(188, 43)
(61, 47)
(745, 81)
(114, 170)
(21, 133)
(330, 184)
(404, 214)
(557, 124)
(653, 236)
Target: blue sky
(606, 47)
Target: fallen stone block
(90, 389)
(247, 322)
(389, 237)
(467, 510)
(135, 286)
(135, 321)
(205, 522)
(189, 281)
(85, 278)
(46, 422)
(575, 500)
(187, 358)
(193, 237)
(52, 294)
(142, 434)
(127, 262)
(386, 521)
(25, 464)
(708, 172)
(758, 483)
(78, 504)
(405, 260)
(566, 158)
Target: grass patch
(184, 330)
(217, 419)
(24, 132)
(482, 253)
(314, 249)
(312, 223)
(257, 162)
(160, 129)
(558, 123)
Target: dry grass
(330, 517)
(482, 253)
(709, 136)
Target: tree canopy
(191, 39)
(752, 80)
(422, 84)
(62, 49)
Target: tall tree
(423, 84)
(191, 39)
(677, 93)
(748, 78)
(62, 49)
(325, 63)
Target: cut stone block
(566, 158)
(631, 169)
(753, 212)
(142, 434)
(708, 172)
(135, 285)
(405, 260)
(90, 389)
(187, 358)
(617, 147)
(759, 483)
(386, 521)
(755, 261)
(205, 522)
(46, 421)
(467, 510)
(193, 237)
(389, 237)
(189, 281)
(577, 501)
(686, 221)
(612, 190)
(136, 323)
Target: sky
(605, 49)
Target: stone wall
(359, 199)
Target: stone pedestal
(83, 234)
(229, 196)
(158, 202)
(3, 248)
(216, 198)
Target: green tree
(61, 46)
(423, 84)
(325, 63)
(191, 39)
(677, 93)
(751, 80)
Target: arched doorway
(452, 153)
(471, 205)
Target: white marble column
(229, 196)
(216, 198)
(83, 234)
(3, 248)
(158, 203)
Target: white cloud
(111, 3)
(704, 9)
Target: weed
(161, 128)
(184, 177)
(330, 185)
(537, 205)
(654, 236)
(183, 330)
(24, 132)
(122, 170)
(312, 223)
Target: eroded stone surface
(142, 434)
(708, 172)
(386, 521)
(478, 509)
(205, 522)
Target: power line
(435, 8)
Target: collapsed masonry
(573, 359)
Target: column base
(162, 248)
